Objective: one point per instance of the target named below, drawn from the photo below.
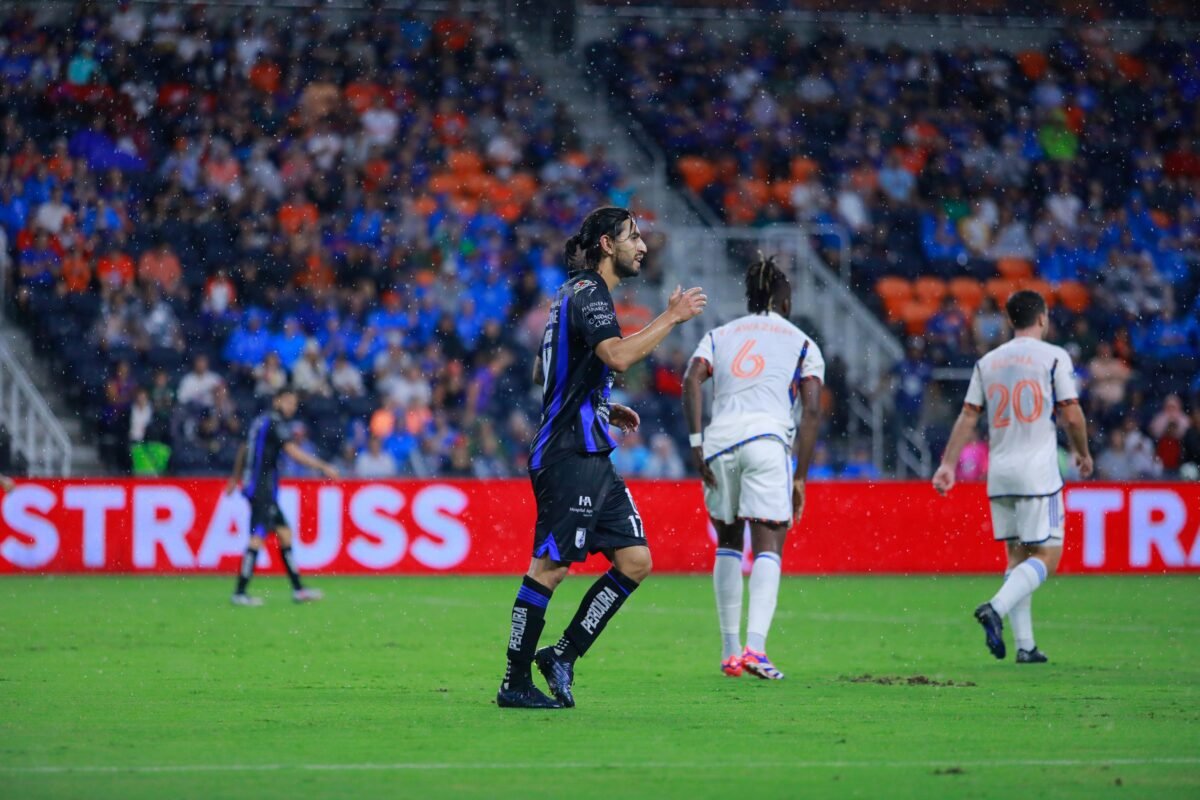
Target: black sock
(285, 555)
(598, 606)
(528, 619)
(249, 558)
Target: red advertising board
(480, 527)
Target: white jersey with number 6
(1021, 384)
(757, 363)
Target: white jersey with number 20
(1020, 384)
(757, 363)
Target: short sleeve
(706, 351)
(812, 362)
(974, 397)
(1062, 375)
(592, 311)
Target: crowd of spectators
(197, 210)
(961, 175)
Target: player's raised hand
(797, 499)
(330, 472)
(683, 306)
(943, 479)
(624, 417)
(1084, 464)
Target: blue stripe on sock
(723, 551)
(1038, 567)
(617, 583)
(773, 556)
(527, 595)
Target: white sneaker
(246, 600)
(307, 595)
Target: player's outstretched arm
(806, 440)
(621, 354)
(968, 418)
(310, 461)
(1076, 427)
(239, 463)
(693, 412)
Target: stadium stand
(201, 210)
(961, 175)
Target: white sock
(1022, 581)
(764, 592)
(1021, 617)
(727, 585)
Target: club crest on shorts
(580, 536)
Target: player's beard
(627, 268)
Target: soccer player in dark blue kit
(583, 506)
(257, 470)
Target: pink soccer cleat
(307, 595)
(732, 666)
(757, 663)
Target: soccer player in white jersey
(762, 367)
(1025, 385)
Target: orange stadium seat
(1074, 296)
(803, 168)
(1041, 287)
(968, 293)
(444, 183)
(915, 315)
(1130, 67)
(1000, 289)
(781, 192)
(895, 293)
(930, 289)
(524, 186)
(698, 173)
(1014, 269)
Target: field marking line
(475, 766)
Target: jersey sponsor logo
(599, 607)
(580, 536)
(586, 283)
(599, 312)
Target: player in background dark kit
(257, 470)
(582, 504)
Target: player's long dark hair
(766, 286)
(582, 250)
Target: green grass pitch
(157, 688)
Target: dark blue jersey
(268, 433)
(576, 382)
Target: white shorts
(1031, 520)
(754, 482)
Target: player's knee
(548, 574)
(636, 565)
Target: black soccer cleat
(1033, 656)
(559, 674)
(525, 697)
(993, 627)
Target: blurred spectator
(973, 461)
(860, 465)
(632, 457)
(664, 461)
(1107, 378)
(269, 376)
(310, 376)
(821, 469)
(346, 379)
(198, 386)
(375, 462)
(1171, 413)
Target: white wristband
(695, 439)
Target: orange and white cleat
(758, 664)
(732, 666)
